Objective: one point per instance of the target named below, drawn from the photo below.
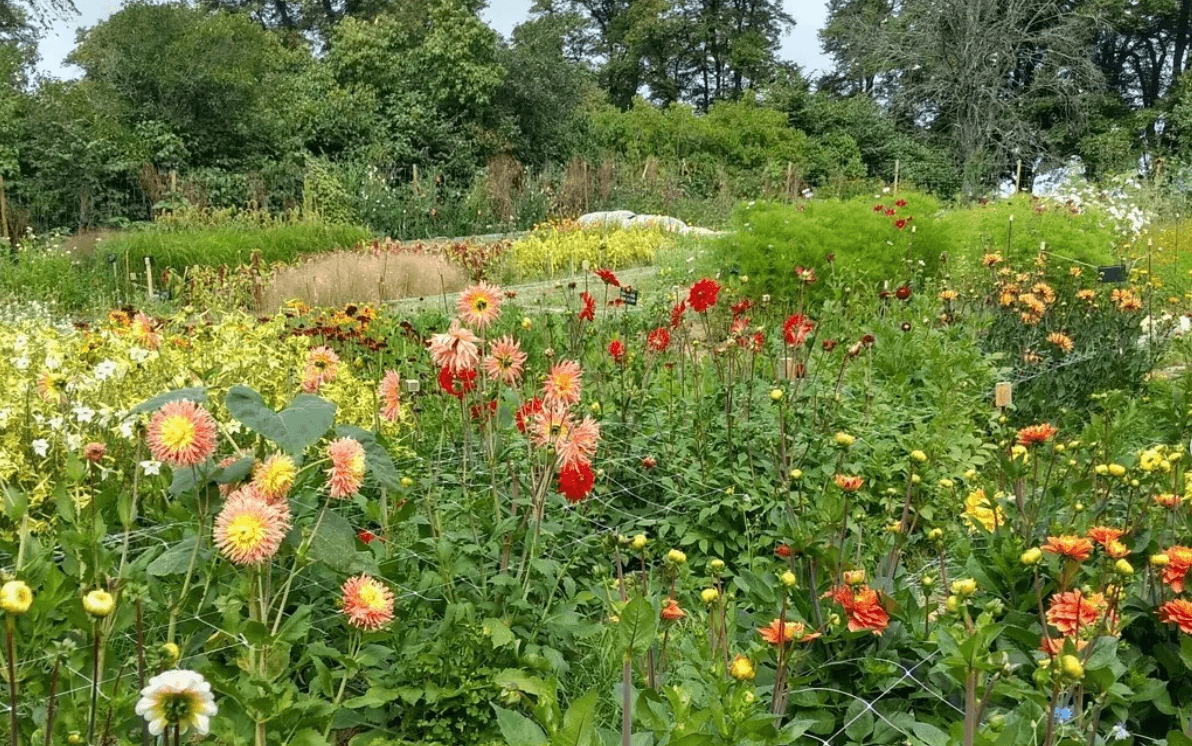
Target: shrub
(563, 247)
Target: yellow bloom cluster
(550, 249)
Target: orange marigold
(1071, 611)
(1072, 547)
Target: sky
(800, 46)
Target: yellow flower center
(371, 597)
(177, 433)
(480, 304)
(246, 532)
(564, 383)
(356, 465)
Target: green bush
(855, 236)
(41, 271)
(230, 245)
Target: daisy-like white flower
(480, 304)
(177, 698)
(455, 349)
(182, 433)
(275, 476)
(505, 361)
(249, 529)
(367, 603)
(389, 393)
(564, 384)
(347, 467)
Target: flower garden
(761, 503)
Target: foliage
(557, 247)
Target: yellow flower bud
(935, 534)
(15, 597)
(947, 484)
(1070, 666)
(676, 557)
(796, 473)
(1116, 470)
(1123, 567)
(952, 604)
(916, 479)
(1101, 469)
(854, 577)
(788, 579)
(964, 587)
(1031, 556)
(709, 595)
(98, 603)
(918, 456)
(1058, 448)
(170, 653)
(1078, 507)
(716, 565)
(407, 483)
(970, 474)
(1134, 482)
(928, 581)
(527, 324)
(741, 668)
(844, 439)
(1018, 451)
(639, 542)
(776, 394)
(1160, 560)
(595, 407)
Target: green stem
(9, 623)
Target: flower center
(246, 532)
(177, 433)
(371, 597)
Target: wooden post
(1003, 395)
(897, 164)
(416, 191)
(148, 279)
(788, 179)
(173, 181)
(1018, 178)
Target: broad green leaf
(235, 472)
(498, 632)
(176, 559)
(515, 678)
(294, 429)
(335, 543)
(196, 395)
(638, 626)
(519, 730)
(579, 723)
(929, 734)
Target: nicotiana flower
(347, 467)
(182, 433)
(41, 447)
(151, 468)
(177, 698)
(367, 603)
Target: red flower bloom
(904, 291)
(526, 412)
(782, 550)
(900, 203)
(671, 611)
(479, 411)
(616, 348)
(796, 329)
(448, 379)
(649, 462)
(806, 274)
(878, 208)
(829, 345)
(1178, 612)
(609, 278)
(757, 342)
(677, 312)
(1036, 434)
(659, 339)
(366, 536)
(703, 295)
(589, 311)
(742, 306)
(900, 224)
(890, 212)
(576, 481)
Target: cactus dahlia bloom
(479, 305)
(563, 384)
(505, 361)
(275, 476)
(177, 698)
(182, 433)
(347, 467)
(367, 603)
(249, 530)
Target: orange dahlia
(1179, 560)
(505, 361)
(181, 433)
(1104, 535)
(1071, 611)
(1177, 612)
(564, 383)
(367, 603)
(1036, 434)
(322, 365)
(389, 394)
(347, 467)
(1073, 547)
(1053, 646)
(671, 611)
(848, 483)
(779, 632)
(863, 607)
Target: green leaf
(307, 737)
(639, 626)
(498, 632)
(579, 723)
(235, 472)
(335, 543)
(515, 678)
(377, 460)
(176, 559)
(929, 734)
(518, 730)
(294, 429)
(1176, 738)
(185, 478)
(196, 395)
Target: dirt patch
(343, 277)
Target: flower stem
(9, 623)
(94, 683)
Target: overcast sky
(800, 46)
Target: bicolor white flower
(41, 447)
(126, 430)
(105, 370)
(53, 362)
(1119, 732)
(177, 697)
(151, 467)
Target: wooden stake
(897, 164)
(1018, 178)
(149, 279)
(3, 211)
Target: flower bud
(526, 323)
(964, 587)
(15, 597)
(676, 557)
(928, 581)
(741, 669)
(775, 394)
(709, 595)
(947, 484)
(918, 456)
(916, 479)
(1122, 567)
(844, 440)
(1160, 560)
(170, 653)
(407, 483)
(98, 603)
(1117, 470)
(1101, 469)
(1031, 556)
(796, 473)
(854, 577)
(639, 542)
(788, 579)
(1071, 667)
(716, 566)
(935, 534)
(952, 604)
(970, 474)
